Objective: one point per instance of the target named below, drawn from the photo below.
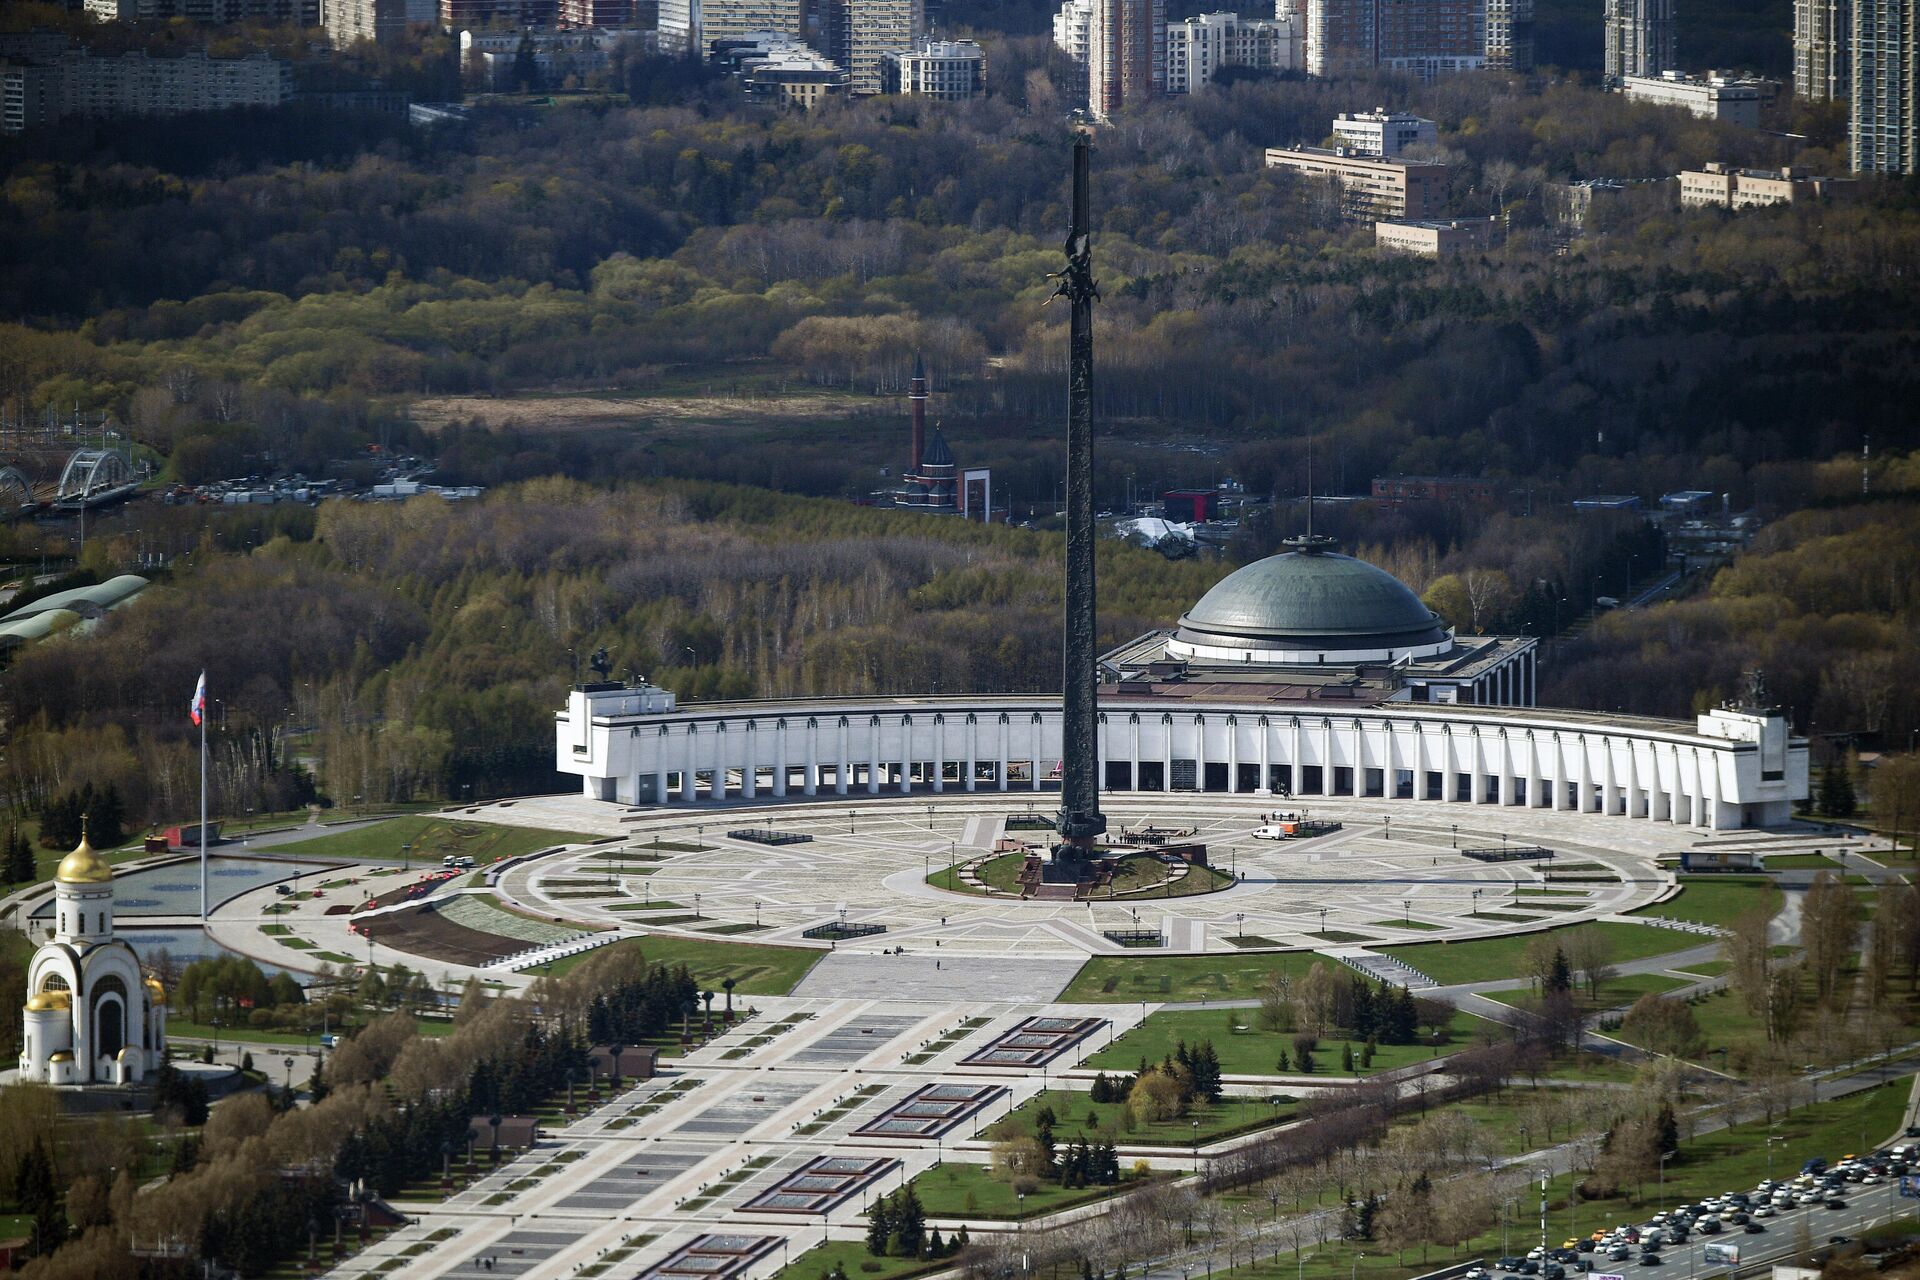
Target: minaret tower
(917, 397)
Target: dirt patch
(589, 412)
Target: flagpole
(203, 816)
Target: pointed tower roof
(938, 455)
(919, 368)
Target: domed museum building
(1306, 674)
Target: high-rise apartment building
(1882, 122)
(1198, 47)
(462, 15)
(738, 19)
(379, 20)
(304, 13)
(1509, 44)
(76, 83)
(1424, 38)
(1640, 36)
(1343, 36)
(1072, 28)
(678, 28)
(858, 34)
(1126, 54)
(1822, 48)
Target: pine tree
(1668, 1128)
(19, 859)
(1346, 1058)
(1560, 977)
(1837, 799)
(879, 1226)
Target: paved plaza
(900, 1047)
(1392, 873)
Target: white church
(91, 1016)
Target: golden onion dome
(156, 994)
(62, 1056)
(84, 865)
(50, 1002)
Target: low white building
(1198, 48)
(950, 70)
(1714, 96)
(556, 54)
(1384, 133)
(92, 1016)
(1305, 674)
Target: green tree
(1835, 797)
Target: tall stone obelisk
(1080, 820)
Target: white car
(1761, 1211)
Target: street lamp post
(289, 1061)
(1196, 1146)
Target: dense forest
(268, 294)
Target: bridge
(94, 478)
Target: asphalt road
(1783, 1237)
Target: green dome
(1311, 599)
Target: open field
(1245, 1049)
(434, 839)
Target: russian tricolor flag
(199, 707)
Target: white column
(939, 754)
(1476, 773)
(1673, 800)
(1359, 770)
(1166, 753)
(1133, 766)
(1266, 758)
(810, 777)
(1033, 737)
(659, 779)
(973, 748)
(1200, 753)
(693, 763)
(1100, 726)
(873, 757)
(780, 759)
(750, 771)
(1293, 756)
(1326, 757)
(906, 759)
(846, 759)
(1233, 756)
(1005, 730)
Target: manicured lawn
(1490, 959)
(1717, 900)
(1252, 1051)
(760, 970)
(1073, 1108)
(853, 1258)
(955, 1190)
(1205, 977)
(1799, 862)
(433, 839)
(180, 1028)
(1623, 990)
